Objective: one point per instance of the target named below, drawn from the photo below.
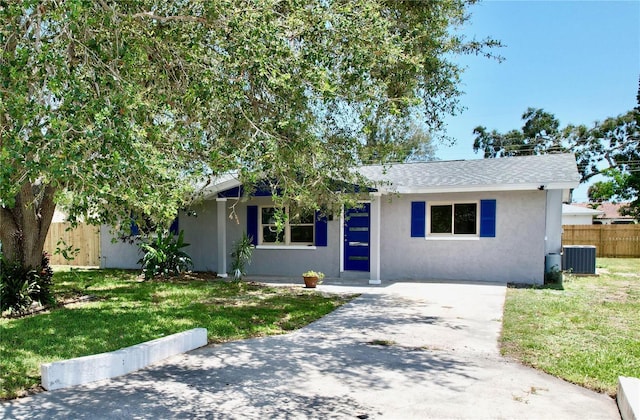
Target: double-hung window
(298, 227)
(450, 219)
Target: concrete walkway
(409, 350)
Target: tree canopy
(616, 141)
(123, 107)
(610, 148)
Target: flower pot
(310, 282)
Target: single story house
(578, 215)
(475, 220)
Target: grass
(588, 333)
(124, 311)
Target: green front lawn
(588, 333)
(123, 311)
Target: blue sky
(579, 60)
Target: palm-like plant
(163, 255)
(241, 254)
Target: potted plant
(312, 278)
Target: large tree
(610, 148)
(540, 133)
(617, 141)
(121, 107)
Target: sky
(579, 60)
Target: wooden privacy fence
(84, 238)
(610, 240)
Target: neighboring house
(475, 220)
(610, 213)
(578, 215)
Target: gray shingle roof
(556, 171)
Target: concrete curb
(92, 368)
(629, 398)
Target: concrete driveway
(408, 350)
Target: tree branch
(153, 16)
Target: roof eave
(211, 192)
(479, 188)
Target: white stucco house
(578, 215)
(476, 220)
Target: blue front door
(357, 236)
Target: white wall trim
(341, 240)
(221, 245)
(452, 238)
(281, 247)
(375, 225)
(478, 188)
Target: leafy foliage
(125, 107)
(68, 252)
(610, 148)
(20, 286)
(619, 145)
(241, 254)
(539, 134)
(163, 255)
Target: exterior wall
(516, 254)
(553, 223)
(279, 261)
(117, 254)
(201, 233)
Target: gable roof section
(556, 171)
(218, 184)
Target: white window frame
(287, 232)
(452, 235)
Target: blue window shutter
(252, 224)
(418, 219)
(175, 226)
(135, 230)
(321, 229)
(487, 218)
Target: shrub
(241, 254)
(21, 286)
(163, 255)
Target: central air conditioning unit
(579, 259)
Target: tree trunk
(24, 227)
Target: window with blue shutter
(321, 235)
(418, 219)
(175, 226)
(252, 224)
(135, 230)
(487, 218)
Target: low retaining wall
(629, 398)
(85, 369)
